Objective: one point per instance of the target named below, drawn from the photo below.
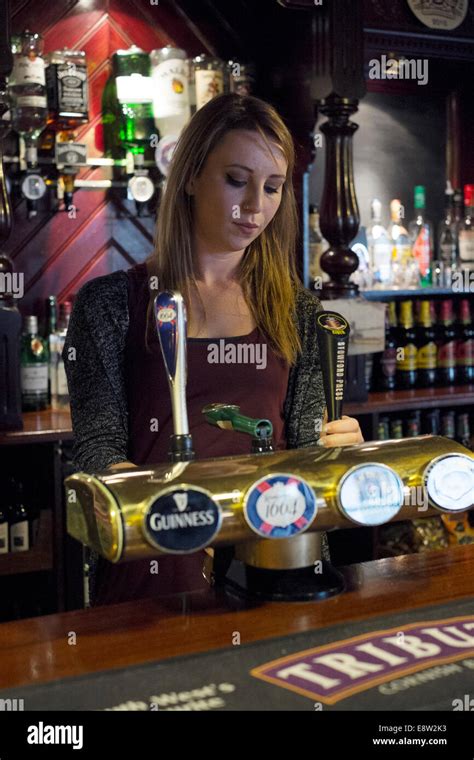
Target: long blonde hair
(267, 271)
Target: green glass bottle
(34, 367)
(134, 94)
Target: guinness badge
(182, 520)
(280, 506)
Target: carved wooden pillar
(337, 84)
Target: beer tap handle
(170, 320)
(333, 338)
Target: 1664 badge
(280, 506)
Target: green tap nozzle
(228, 417)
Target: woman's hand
(340, 432)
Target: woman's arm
(93, 358)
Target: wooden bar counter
(39, 650)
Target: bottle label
(134, 88)
(170, 89)
(448, 252)
(34, 378)
(4, 538)
(402, 253)
(381, 256)
(388, 362)
(426, 356)
(421, 251)
(208, 84)
(466, 245)
(27, 71)
(465, 353)
(19, 536)
(408, 363)
(71, 82)
(61, 379)
(32, 101)
(447, 354)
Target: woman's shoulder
(307, 303)
(101, 288)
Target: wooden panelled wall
(56, 253)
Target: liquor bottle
(170, 76)
(466, 231)
(413, 425)
(27, 85)
(447, 232)
(404, 267)
(317, 246)
(426, 355)
(10, 348)
(465, 345)
(448, 424)
(431, 422)
(113, 147)
(242, 77)
(34, 367)
(379, 246)
(406, 373)
(421, 235)
(18, 522)
(4, 532)
(446, 342)
(60, 396)
(396, 429)
(383, 429)
(67, 88)
(135, 96)
(50, 335)
(209, 76)
(463, 430)
(385, 362)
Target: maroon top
(259, 387)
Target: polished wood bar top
(40, 427)
(38, 650)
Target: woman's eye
(234, 182)
(241, 183)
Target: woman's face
(240, 183)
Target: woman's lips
(246, 228)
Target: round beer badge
(280, 506)
(333, 322)
(182, 519)
(370, 494)
(449, 482)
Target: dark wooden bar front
(37, 650)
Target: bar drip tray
(297, 585)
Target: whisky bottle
(34, 367)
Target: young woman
(225, 238)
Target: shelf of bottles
(25, 529)
(403, 261)
(146, 103)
